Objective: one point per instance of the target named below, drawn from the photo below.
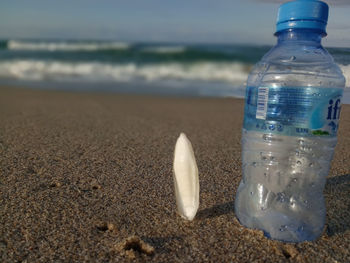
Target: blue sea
(145, 68)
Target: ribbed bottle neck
(305, 36)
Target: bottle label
(293, 111)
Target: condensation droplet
(283, 228)
(292, 58)
(311, 164)
(294, 180)
(251, 193)
(254, 164)
(281, 197)
(297, 153)
(298, 162)
(301, 141)
(313, 185)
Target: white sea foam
(165, 49)
(202, 73)
(235, 73)
(64, 46)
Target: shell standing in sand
(186, 178)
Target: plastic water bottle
(292, 109)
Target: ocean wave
(65, 46)
(123, 52)
(39, 70)
(45, 70)
(164, 49)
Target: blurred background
(195, 48)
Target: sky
(184, 21)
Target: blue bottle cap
(307, 14)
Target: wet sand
(87, 177)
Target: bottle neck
(304, 36)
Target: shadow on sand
(337, 195)
(216, 210)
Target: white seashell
(186, 178)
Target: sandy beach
(87, 177)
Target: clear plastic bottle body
(285, 161)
